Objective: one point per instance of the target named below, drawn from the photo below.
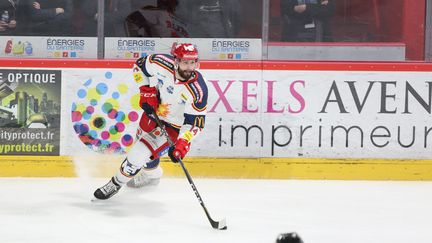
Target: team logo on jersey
(163, 110)
(170, 89)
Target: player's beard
(184, 74)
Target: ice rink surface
(60, 210)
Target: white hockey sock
(122, 179)
(137, 157)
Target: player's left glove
(179, 150)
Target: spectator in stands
(8, 18)
(46, 17)
(211, 18)
(157, 21)
(187, 18)
(307, 20)
(116, 12)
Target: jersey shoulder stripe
(199, 92)
(162, 60)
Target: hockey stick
(220, 225)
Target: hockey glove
(148, 99)
(179, 150)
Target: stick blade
(220, 225)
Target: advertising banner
(210, 49)
(30, 103)
(254, 113)
(321, 114)
(48, 47)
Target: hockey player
(171, 86)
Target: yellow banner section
(251, 168)
(37, 166)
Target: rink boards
(266, 120)
(259, 168)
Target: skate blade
(96, 200)
(93, 199)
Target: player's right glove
(179, 150)
(148, 99)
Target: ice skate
(108, 190)
(142, 180)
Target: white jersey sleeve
(145, 68)
(139, 77)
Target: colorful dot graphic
(103, 113)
